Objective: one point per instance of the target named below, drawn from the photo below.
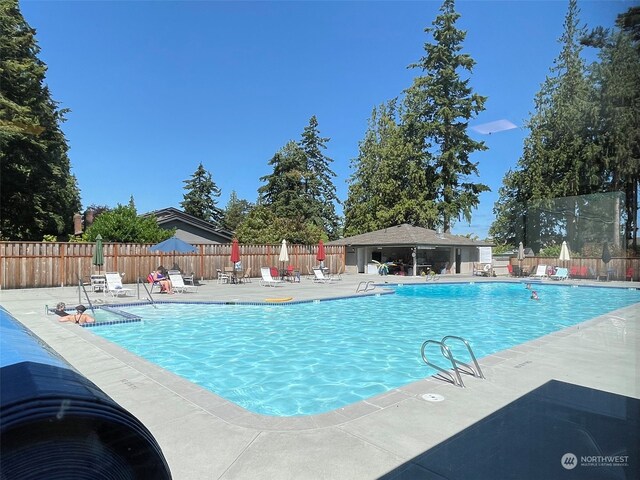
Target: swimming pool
(310, 358)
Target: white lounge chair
(222, 277)
(320, 277)
(483, 270)
(541, 272)
(178, 282)
(113, 283)
(561, 274)
(267, 280)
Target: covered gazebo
(412, 251)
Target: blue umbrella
(173, 244)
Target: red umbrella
(235, 251)
(321, 255)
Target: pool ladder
(365, 286)
(457, 366)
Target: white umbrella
(284, 255)
(520, 256)
(564, 253)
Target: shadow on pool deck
(572, 432)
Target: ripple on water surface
(315, 357)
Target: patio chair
(113, 283)
(482, 271)
(319, 276)
(246, 277)
(222, 277)
(178, 282)
(561, 274)
(267, 280)
(98, 283)
(541, 272)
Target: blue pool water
(310, 358)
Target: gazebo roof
(408, 235)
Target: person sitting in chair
(157, 277)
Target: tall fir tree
(285, 189)
(438, 107)
(38, 193)
(235, 212)
(201, 197)
(387, 186)
(320, 189)
(569, 151)
(617, 80)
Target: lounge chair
(113, 283)
(483, 270)
(178, 282)
(541, 272)
(561, 274)
(98, 283)
(319, 276)
(267, 280)
(246, 277)
(222, 277)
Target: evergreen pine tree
(200, 199)
(285, 190)
(438, 107)
(38, 193)
(235, 212)
(388, 187)
(320, 189)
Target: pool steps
(364, 286)
(457, 366)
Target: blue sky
(156, 87)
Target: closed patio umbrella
(606, 256)
(321, 255)
(520, 257)
(98, 254)
(235, 251)
(564, 253)
(284, 255)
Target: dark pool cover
(56, 424)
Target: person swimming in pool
(60, 310)
(79, 317)
(534, 295)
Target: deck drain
(432, 397)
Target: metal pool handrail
(364, 286)
(446, 352)
(477, 372)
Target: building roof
(408, 235)
(170, 215)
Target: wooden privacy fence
(54, 264)
(619, 268)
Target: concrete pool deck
(205, 437)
